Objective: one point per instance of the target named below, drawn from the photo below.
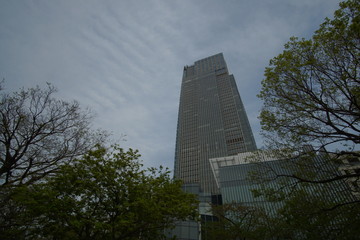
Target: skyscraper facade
(212, 122)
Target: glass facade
(212, 122)
(233, 177)
(237, 187)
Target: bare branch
(39, 133)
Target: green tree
(311, 97)
(236, 221)
(311, 92)
(38, 134)
(312, 215)
(103, 195)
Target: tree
(311, 95)
(39, 133)
(103, 195)
(310, 215)
(311, 91)
(236, 221)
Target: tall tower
(212, 121)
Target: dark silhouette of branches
(38, 133)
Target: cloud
(124, 59)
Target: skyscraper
(212, 122)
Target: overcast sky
(124, 59)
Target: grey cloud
(124, 59)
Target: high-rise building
(212, 122)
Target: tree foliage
(311, 91)
(237, 221)
(38, 133)
(309, 215)
(311, 95)
(103, 195)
